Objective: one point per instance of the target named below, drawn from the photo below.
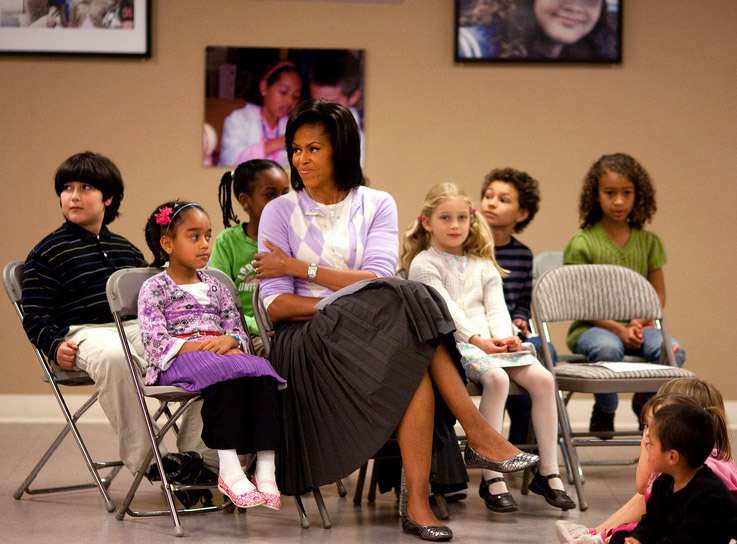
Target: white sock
(497, 487)
(555, 483)
(232, 473)
(266, 472)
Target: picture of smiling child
(582, 30)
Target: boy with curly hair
(509, 201)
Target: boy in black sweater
(689, 503)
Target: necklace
(339, 198)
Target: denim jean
(598, 344)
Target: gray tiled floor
(80, 517)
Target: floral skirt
(476, 361)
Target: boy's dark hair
(175, 211)
(342, 131)
(687, 429)
(527, 189)
(337, 67)
(243, 180)
(644, 208)
(96, 170)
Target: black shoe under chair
(186, 468)
(434, 533)
(500, 502)
(554, 497)
(638, 402)
(601, 424)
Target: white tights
(540, 384)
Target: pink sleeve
(255, 151)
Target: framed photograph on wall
(76, 27)
(587, 31)
(250, 91)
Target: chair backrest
(547, 260)
(13, 280)
(123, 287)
(594, 291)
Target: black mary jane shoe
(501, 502)
(434, 533)
(554, 497)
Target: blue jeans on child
(598, 344)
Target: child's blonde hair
(479, 241)
(705, 395)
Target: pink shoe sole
(245, 500)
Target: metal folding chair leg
(570, 455)
(168, 487)
(326, 522)
(100, 482)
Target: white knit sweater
(475, 298)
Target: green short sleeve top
(643, 253)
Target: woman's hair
(589, 209)
(242, 180)
(163, 222)
(479, 242)
(97, 171)
(703, 394)
(516, 30)
(528, 192)
(341, 129)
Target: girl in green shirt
(254, 183)
(616, 201)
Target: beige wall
(672, 104)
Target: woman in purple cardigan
(378, 359)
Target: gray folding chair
(56, 377)
(122, 295)
(266, 331)
(547, 260)
(594, 292)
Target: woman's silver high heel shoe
(434, 533)
(520, 461)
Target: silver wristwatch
(311, 272)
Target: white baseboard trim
(45, 409)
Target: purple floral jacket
(165, 311)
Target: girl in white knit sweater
(450, 248)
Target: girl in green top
(617, 200)
(254, 183)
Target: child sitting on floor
(689, 503)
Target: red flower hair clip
(164, 216)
